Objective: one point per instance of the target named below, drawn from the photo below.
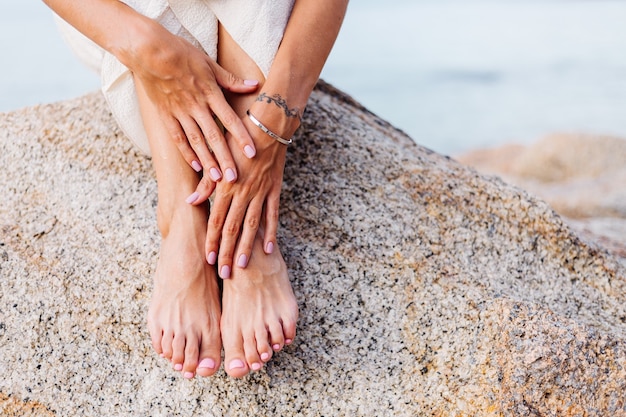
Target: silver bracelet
(267, 131)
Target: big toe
(235, 363)
(210, 355)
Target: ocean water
(454, 75)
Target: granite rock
(424, 287)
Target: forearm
(113, 25)
(309, 37)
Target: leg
(259, 310)
(185, 309)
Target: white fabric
(256, 25)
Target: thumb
(230, 82)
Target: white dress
(256, 25)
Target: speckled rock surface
(424, 288)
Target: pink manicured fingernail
(251, 83)
(211, 258)
(207, 363)
(269, 248)
(188, 375)
(196, 166)
(215, 174)
(242, 262)
(230, 175)
(276, 346)
(256, 366)
(225, 272)
(236, 364)
(193, 198)
(265, 356)
(249, 151)
(178, 367)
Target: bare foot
(184, 312)
(259, 312)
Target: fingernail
(178, 367)
(196, 166)
(265, 356)
(188, 375)
(207, 363)
(211, 258)
(256, 366)
(225, 272)
(269, 248)
(251, 82)
(249, 151)
(276, 346)
(242, 262)
(236, 364)
(215, 175)
(230, 175)
(192, 198)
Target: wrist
(140, 43)
(275, 114)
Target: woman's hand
(184, 83)
(240, 208)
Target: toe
(192, 350)
(277, 338)
(166, 345)
(210, 352)
(178, 354)
(289, 330)
(234, 357)
(156, 335)
(263, 344)
(252, 355)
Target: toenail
(207, 363)
(256, 366)
(288, 341)
(242, 262)
(265, 356)
(188, 375)
(225, 272)
(178, 367)
(276, 346)
(236, 364)
(211, 258)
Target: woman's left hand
(240, 208)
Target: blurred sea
(454, 75)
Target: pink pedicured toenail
(242, 262)
(196, 166)
(269, 248)
(230, 175)
(236, 364)
(256, 366)
(225, 272)
(188, 375)
(276, 346)
(211, 258)
(215, 174)
(249, 151)
(265, 356)
(207, 363)
(288, 341)
(161, 355)
(178, 367)
(192, 198)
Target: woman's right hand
(186, 85)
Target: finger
(205, 188)
(195, 137)
(271, 222)
(213, 135)
(229, 81)
(232, 123)
(176, 132)
(230, 234)
(217, 216)
(248, 234)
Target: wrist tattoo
(280, 103)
